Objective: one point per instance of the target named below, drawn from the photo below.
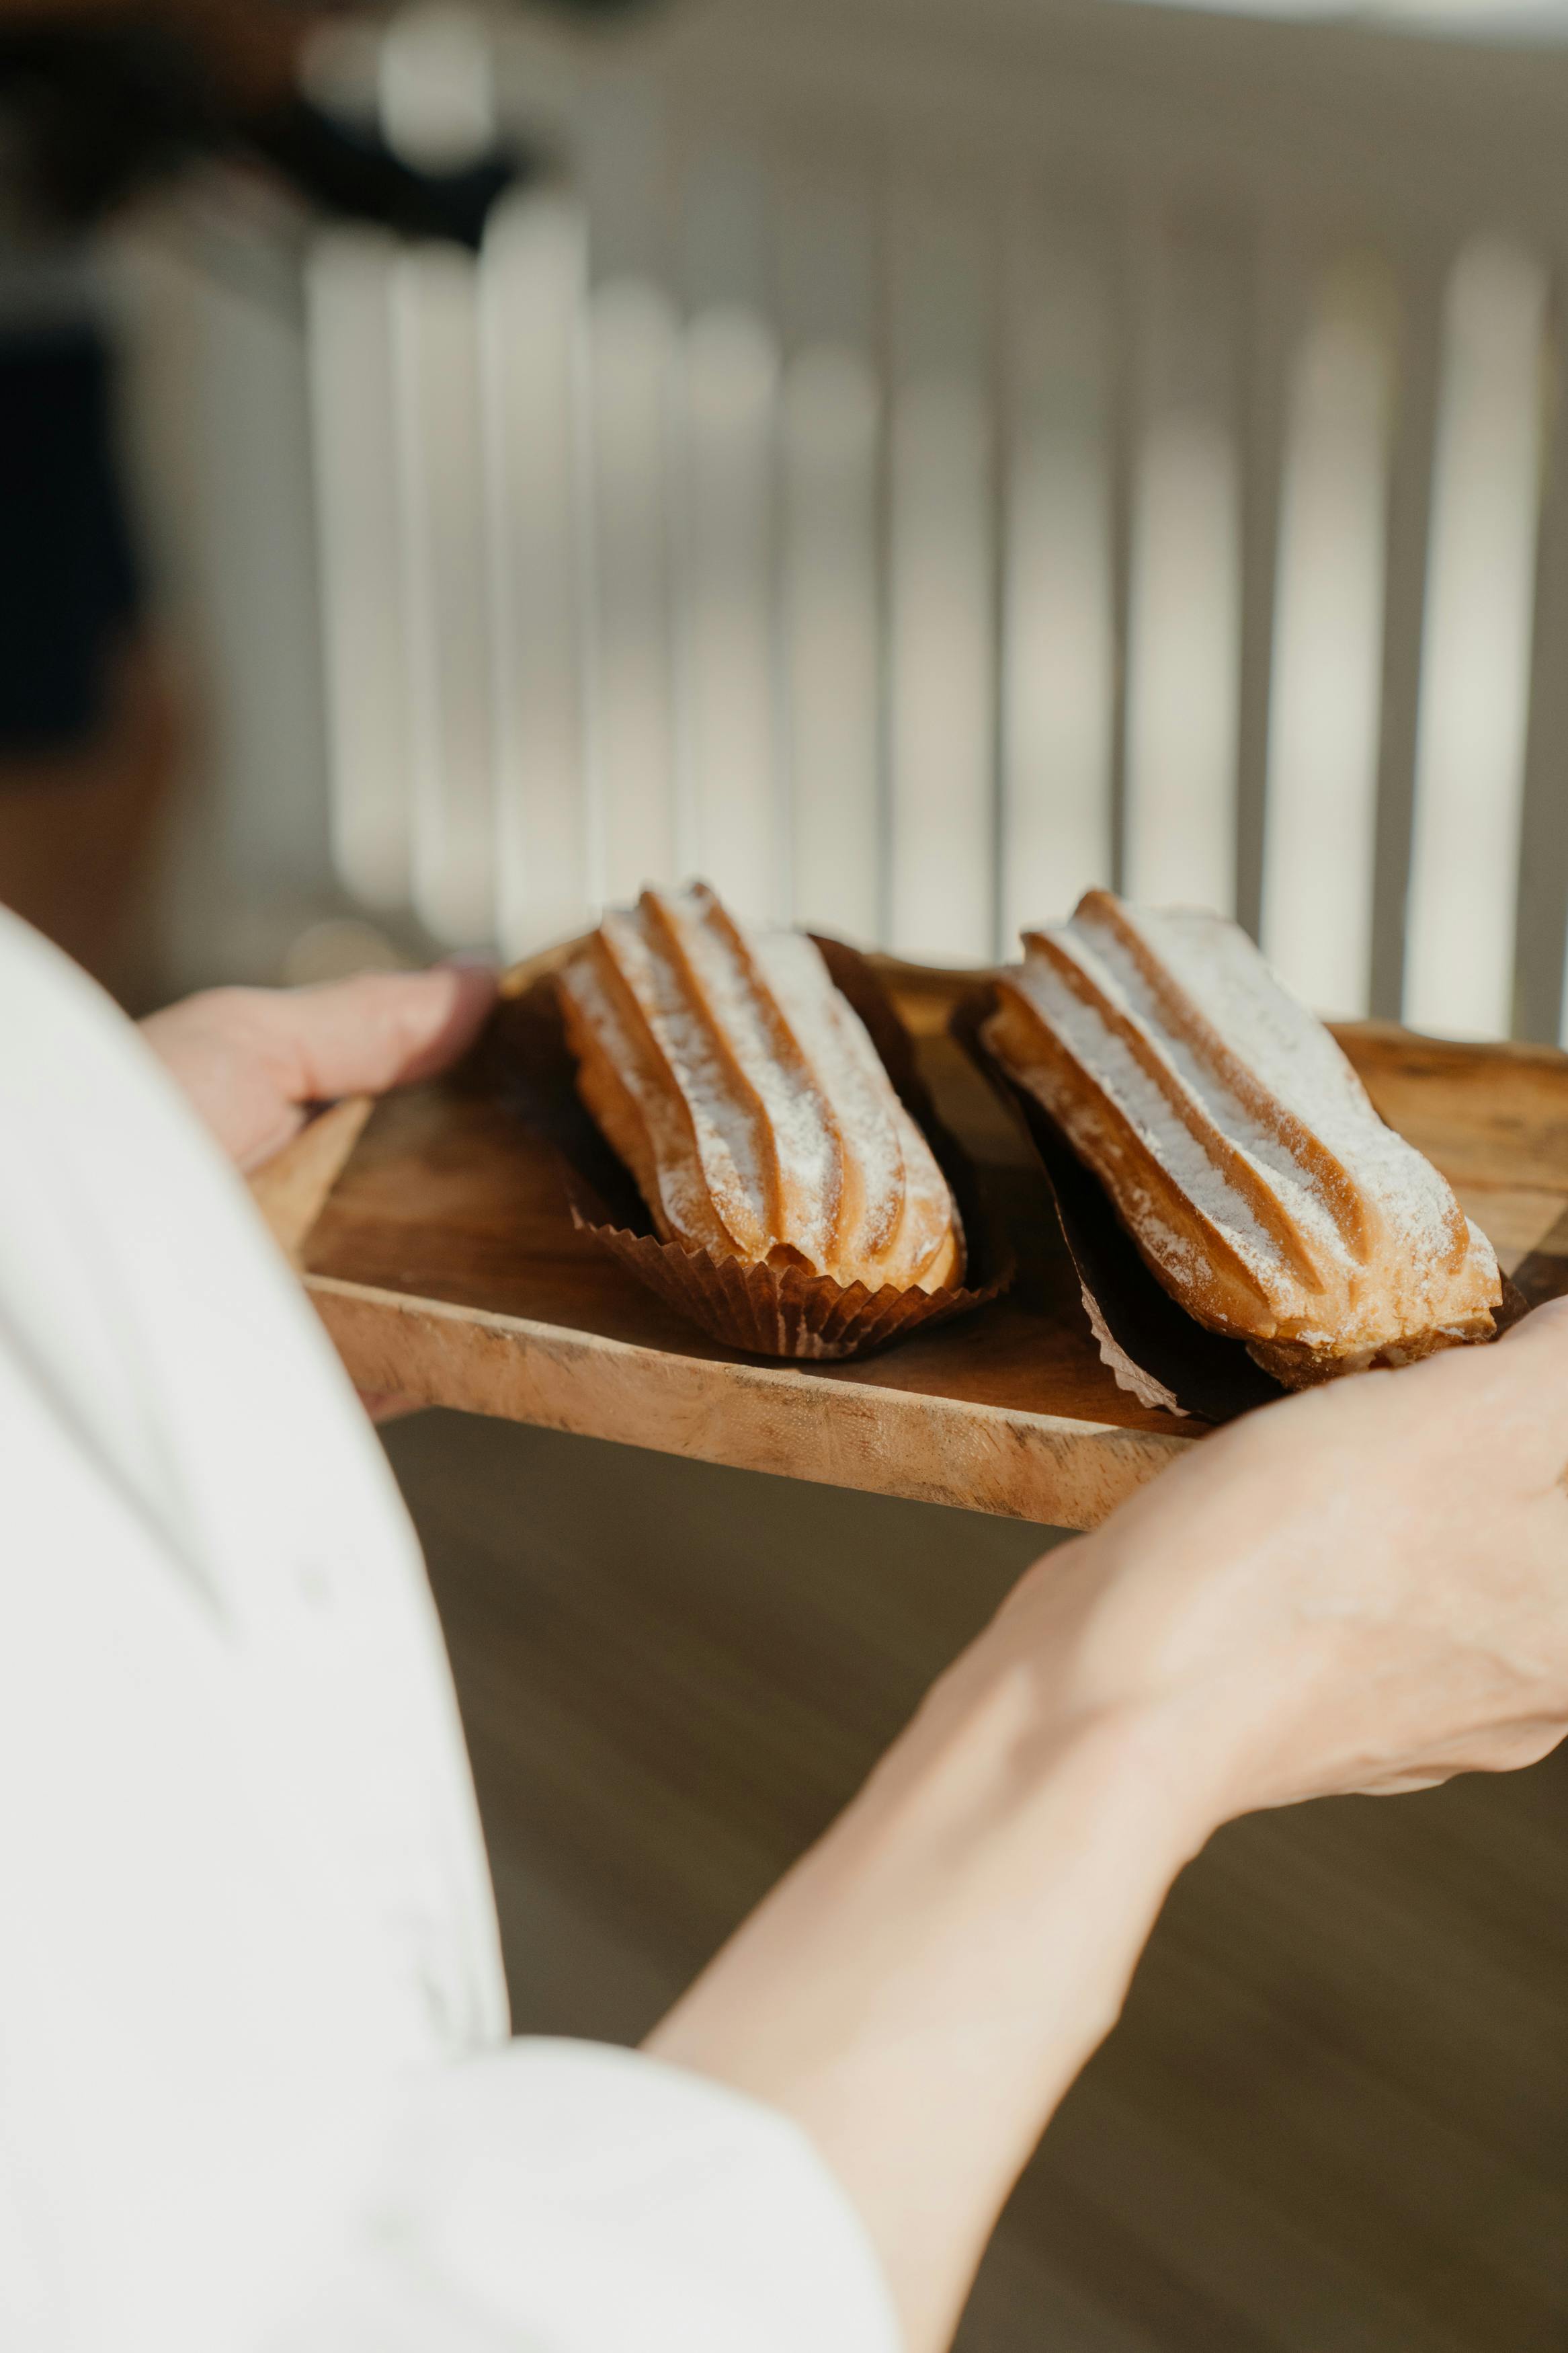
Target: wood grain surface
(445, 1264)
(292, 1190)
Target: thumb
(380, 1030)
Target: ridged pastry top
(743, 1092)
(1237, 1144)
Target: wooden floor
(1335, 2117)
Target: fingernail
(470, 960)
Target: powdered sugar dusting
(851, 1077)
(1092, 1041)
(800, 1136)
(743, 1020)
(1245, 1103)
(1217, 966)
(729, 1157)
(683, 1190)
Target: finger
(1532, 1357)
(1404, 1785)
(381, 1029)
(1511, 1397)
(1546, 1325)
(386, 1405)
(1508, 1748)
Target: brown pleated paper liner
(525, 1061)
(1159, 1352)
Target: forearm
(922, 1989)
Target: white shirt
(255, 2089)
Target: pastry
(1238, 1145)
(745, 1096)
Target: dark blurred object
(355, 173)
(79, 821)
(98, 103)
(70, 585)
(92, 726)
(91, 114)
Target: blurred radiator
(916, 461)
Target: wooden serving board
(433, 1236)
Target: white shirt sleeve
(256, 2094)
(572, 2197)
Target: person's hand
(254, 1061)
(1364, 1588)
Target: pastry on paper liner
(933, 1248)
(1236, 1144)
(1152, 1348)
(742, 1090)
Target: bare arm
(1364, 1588)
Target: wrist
(925, 1984)
(1016, 1775)
(1066, 1675)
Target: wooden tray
(435, 1242)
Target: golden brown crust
(745, 1097)
(1102, 1134)
(1297, 1366)
(1238, 1145)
